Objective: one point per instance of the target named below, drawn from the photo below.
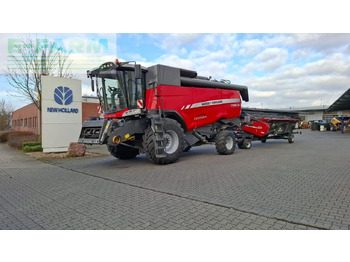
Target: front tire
(225, 143)
(123, 152)
(174, 142)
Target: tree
(5, 115)
(32, 59)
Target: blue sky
(280, 70)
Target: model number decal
(212, 102)
(203, 116)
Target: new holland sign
(63, 95)
(61, 113)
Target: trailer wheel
(291, 138)
(225, 143)
(263, 140)
(245, 144)
(174, 142)
(123, 152)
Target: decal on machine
(234, 102)
(199, 117)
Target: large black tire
(123, 152)
(245, 144)
(291, 138)
(225, 143)
(174, 135)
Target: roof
(265, 109)
(342, 103)
(305, 109)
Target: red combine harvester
(162, 111)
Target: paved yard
(277, 185)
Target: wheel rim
(249, 144)
(171, 141)
(229, 142)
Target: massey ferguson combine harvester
(162, 111)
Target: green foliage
(71, 155)
(34, 148)
(29, 144)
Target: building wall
(26, 118)
(308, 116)
(89, 111)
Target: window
(21, 125)
(26, 122)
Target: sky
(280, 70)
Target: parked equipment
(264, 129)
(162, 111)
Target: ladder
(159, 139)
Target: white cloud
(174, 41)
(174, 60)
(264, 94)
(250, 47)
(321, 42)
(267, 60)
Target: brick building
(28, 117)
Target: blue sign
(63, 95)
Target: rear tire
(291, 138)
(245, 144)
(123, 152)
(225, 143)
(174, 134)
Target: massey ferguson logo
(63, 95)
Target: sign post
(61, 108)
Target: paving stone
(301, 183)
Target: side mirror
(92, 85)
(138, 72)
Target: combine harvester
(162, 111)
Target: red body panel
(197, 106)
(115, 115)
(258, 128)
